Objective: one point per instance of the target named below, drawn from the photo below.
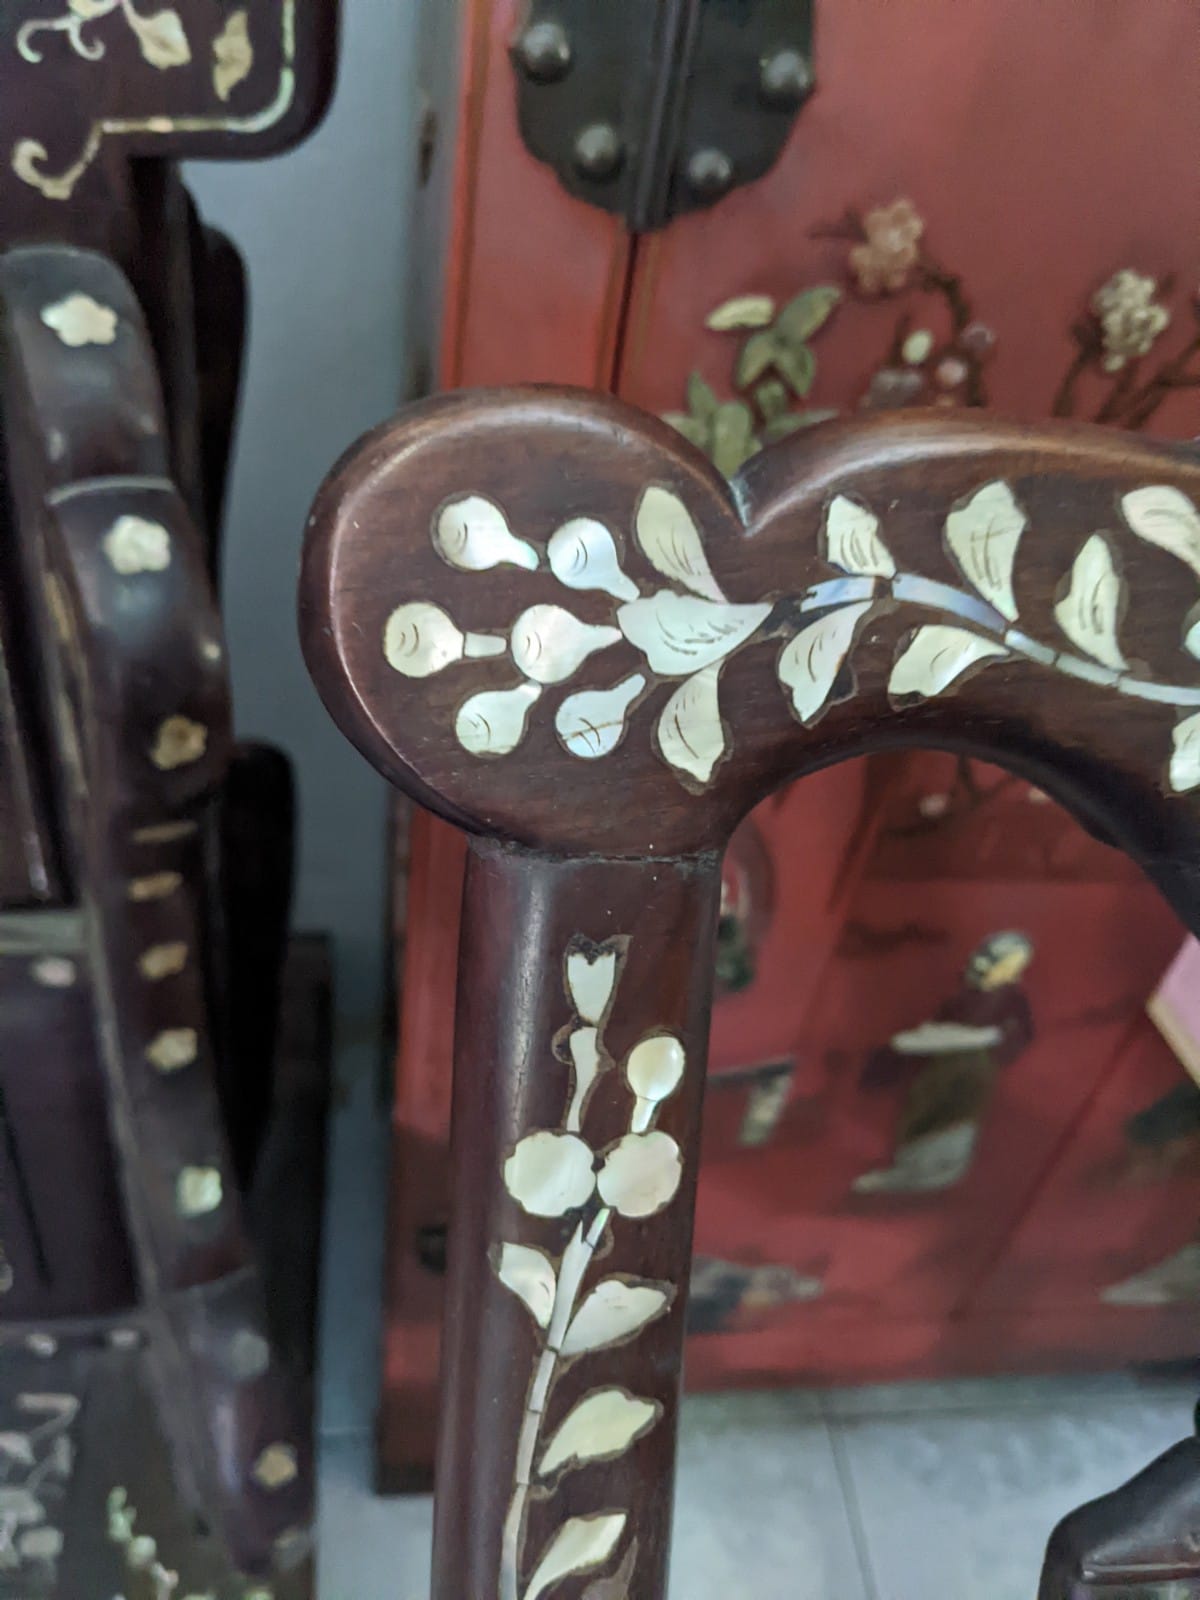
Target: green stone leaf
(692, 429)
(702, 402)
(794, 421)
(760, 351)
(801, 317)
(771, 398)
(798, 365)
(733, 440)
(744, 311)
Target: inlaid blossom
(178, 742)
(892, 387)
(233, 55)
(79, 320)
(1130, 317)
(883, 263)
(641, 1174)
(550, 1173)
(134, 544)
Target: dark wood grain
(1057, 559)
(114, 747)
(83, 95)
(521, 916)
(1068, 479)
(132, 662)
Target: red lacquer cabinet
(941, 1136)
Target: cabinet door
(1127, 1181)
(945, 227)
(969, 188)
(987, 980)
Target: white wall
(324, 235)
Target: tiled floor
(889, 1493)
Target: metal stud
(598, 152)
(544, 52)
(785, 79)
(709, 173)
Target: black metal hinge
(651, 108)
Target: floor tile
(961, 1503)
(760, 1513)
(980, 1394)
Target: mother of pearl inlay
(163, 960)
(78, 320)
(53, 972)
(173, 1048)
(689, 629)
(156, 886)
(198, 1191)
(178, 742)
(552, 1173)
(134, 544)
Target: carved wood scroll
(134, 673)
(194, 77)
(548, 619)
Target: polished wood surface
(764, 547)
(955, 122)
(133, 660)
(139, 1030)
(988, 620)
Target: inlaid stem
(576, 1259)
(603, 1353)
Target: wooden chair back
(547, 618)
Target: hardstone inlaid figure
(958, 1055)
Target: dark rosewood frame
(616, 859)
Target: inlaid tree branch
(554, 1173)
(683, 634)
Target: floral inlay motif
(276, 1467)
(684, 633)
(1130, 317)
(37, 1458)
(164, 43)
(160, 34)
(173, 1049)
(178, 742)
(141, 1550)
(940, 348)
(1126, 319)
(54, 972)
(79, 320)
(163, 961)
(198, 1191)
(884, 261)
(233, 55)
(552, 1173)
(135, 544)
